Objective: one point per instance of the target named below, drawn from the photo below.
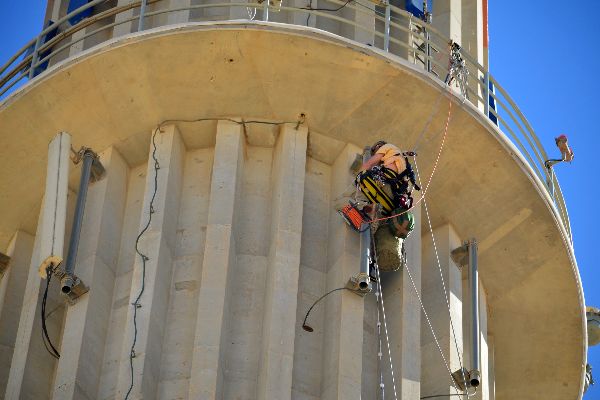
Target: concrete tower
(227, 132)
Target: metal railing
(383, 26)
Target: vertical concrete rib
(85, 329)
(343, 338)
(29, 311)
(435, 378)
(206, 376)
(49, 245)
(19, 251)
(279, 322)
(157, 243)
(403, 314)
(124, 270)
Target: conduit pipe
(474, 374)
(68, 280)
(364, 280)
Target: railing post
(386, 39)
(34, 57)
(266, 10)
(486, 91)
(142, 15)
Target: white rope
(435, 339)
(379, 350)
(387, 337)
(446, 294)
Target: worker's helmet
(377, 145)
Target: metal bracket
(461, 378)
(4, 260)
(97, 171)
(360, 284)
(465, 379)
(71, 286)
(460, 255)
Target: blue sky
(545, 55)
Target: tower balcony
(273, 89)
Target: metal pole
(142, 15)
(428, 47)
(266, 10)
(88, 159)
(365, 243)
(34, 57)
(386, 38)
(486, 107)
(474, 374)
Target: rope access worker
(387, 179)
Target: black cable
(441, 395)
(308, 328)
(326, 9)
(453, 394)
(144, 258)
(45, 337)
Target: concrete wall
(246, 232)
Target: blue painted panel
(74, 5)
(42, 67)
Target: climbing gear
(384, 186)
(457, 68)
(401, 225)
(377, 145)
(354, 217)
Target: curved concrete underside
(115, 95)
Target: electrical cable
(445, 395)
(136, 304)
(144, 258)
(45, 337)
(326, 9)
(446, 293)
(309, 328)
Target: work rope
(446, 293)
(435, 339)
(435, 164)
(379, 295)
(379, 352)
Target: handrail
(394, 26)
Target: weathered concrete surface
(279, 322)
(344, 311)
(442, 298)
(85, 330)
(207, 374)
(403, 314)
(152, 275)
(19, 251)
(350, 94)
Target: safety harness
(373, 184)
